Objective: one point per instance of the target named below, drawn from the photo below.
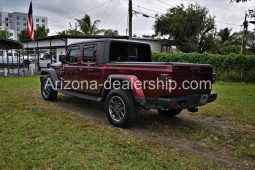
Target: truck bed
(178, 72)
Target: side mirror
(62, 59)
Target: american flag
(30, 22)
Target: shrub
(235, 49)
(232, 67)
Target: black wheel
(120, 108)
(48, 65)
(48, 93)
(170, 113)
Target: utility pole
(130, 18)
(245, 27)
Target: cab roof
(109, 40)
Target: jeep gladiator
(127, 61)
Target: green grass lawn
(235, 103)
(35, 134)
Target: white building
(16, 22)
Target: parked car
(110, 61)
(12, 58)
(46, 61)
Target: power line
(143, 14)
(106, 10)
(171, 5)
(110, 14)
(148, 9)
(165, 3)
(120, 21)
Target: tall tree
(224, 35)
(87, 26)
(250, 41)
(62, 33)
(188, 27)
(70, 31)
(40, 32)
(4, 34)
(23, 35)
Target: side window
(88, 54)
(47, 57)
(74, 55)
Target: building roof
(10, 44)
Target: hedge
(232, 67)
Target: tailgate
(191, 79)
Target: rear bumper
(183, 102)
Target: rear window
(129, 52)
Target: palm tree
(88, 27)
(62, 33)
(224, 35)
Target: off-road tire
(130, 109)
(51, 94)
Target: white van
(45, 61)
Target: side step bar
(82, 96)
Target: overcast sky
(113, 13)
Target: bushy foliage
(232, 49)
(40, 32)
(186, 26)
(4, 34)
(232, 67)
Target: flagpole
(37, 58)
(36, 65)
(34, 44)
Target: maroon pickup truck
(121, 74)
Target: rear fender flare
(137, 93)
